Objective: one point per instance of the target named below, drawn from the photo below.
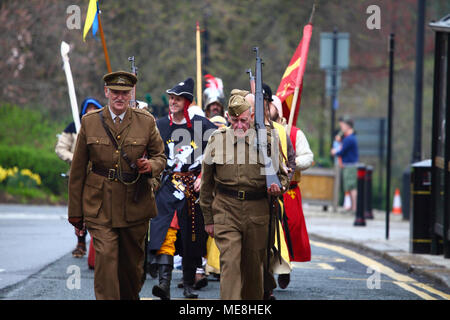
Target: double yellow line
(401, 280)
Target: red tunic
(296, 220)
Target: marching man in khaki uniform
(114, 198)
(235, 201)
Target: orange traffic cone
(397, 205)
(347, 201)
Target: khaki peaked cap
(120, 80)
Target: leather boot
(188, 282)
(152, 266)
(165, 267)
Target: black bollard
(368, 193)
(360, 221)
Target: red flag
(293, 76)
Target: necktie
(117, 122)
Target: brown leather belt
(241, 194)
(112, 174)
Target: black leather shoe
(201, 283)
(189, 292)
(283, 280)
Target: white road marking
(401, 280)
(32, 216)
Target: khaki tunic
(107, 206)
(240, 227)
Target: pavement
(338, 227)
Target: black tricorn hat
(184, 89)
(267, 92)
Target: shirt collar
(113, 115)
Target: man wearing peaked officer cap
(115, 198)
(179, 215)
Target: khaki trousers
(240, 232)
(119, 261)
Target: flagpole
(299, 81)
(65, 48)
(199, 68)
(293, 109)
(105, 50)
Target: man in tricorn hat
(179, 215)
(114, 198)
(234, 201)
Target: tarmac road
(51, 273)
(32, 237)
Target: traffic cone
(347, 201)
(397, 205)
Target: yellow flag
(92, 10)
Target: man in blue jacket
(350, 157)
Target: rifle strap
(269, 236)
(122, 154)
(276, 207)
(115, 144)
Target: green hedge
(46, 164)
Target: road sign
(329, 89)
(371, 135)
(342, 50)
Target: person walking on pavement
(234, 200)
(114, 198)
(65, 146)
(179, 215)
(349, 156)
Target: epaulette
(219, 131)
(93, 112)
(216, 133)
(142, 111)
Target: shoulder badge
(94, 111)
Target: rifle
(133, 102)
(270, 173)
(261, 138)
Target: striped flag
(293, 76)
(91, 19)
